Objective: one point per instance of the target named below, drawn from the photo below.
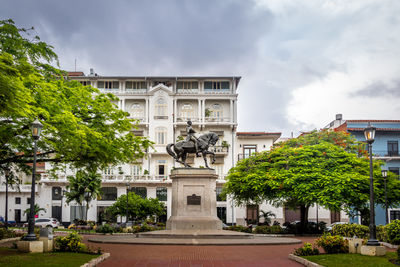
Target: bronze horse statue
(182, 148)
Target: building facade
(385, 148)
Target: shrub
(398, 254)
(306, 250)
(393, 232)
(351, 230)
(381, 233)
(333, 244)
(105, 229)
(239, 228)
(6, 233)
(70, 243)
(265, 229)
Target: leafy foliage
(37, 209)
(306, 250)
(393, 232)
(322, 167)
(138, 208)
(351, 230)
(266, 229)
(82, 127)
(239, 228)
(70, 243)
(105, 229)
(333, 244)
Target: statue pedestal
(194, 201)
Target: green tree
(321, 168)
(37, 209)
(138, 208)
(84, 187)
(82, 127)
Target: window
(219, 170)
(28, 200)
(216, 111)
(137, 110)
(108, 193)
(161, 193)
(218, 191)
(217, 86)
(393, 148)
(56, 193)
(394, 215)
(140, 191)
(187, 112)
(135, 85)
(252, 214)
(161, 135)
(136, 170)
(187, 85)
(77, 213)
(161, 107)
(109, 85)
(248, 150)
(395, 170)
(17, 200)
(85, 83)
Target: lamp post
(128, 187)
(36, 130)
(369, 133)
(384, 175)
(64, 192)
(6, 174)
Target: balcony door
(393, 148)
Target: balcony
(187, 91)
(48, 178)
(219, 149)
(384, 154)
(217, 120)
(185, 119)
(134, 178)
(26, 188)
(140, 119)
(135, 91)
(217, 92)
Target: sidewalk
(179, 256)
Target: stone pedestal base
(47, 244)
(355, 245)
(190, 223)
(30, 246)
(194, 204)
(373, 250)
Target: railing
(59, 177)
(219, 149)
(140, 119)
(243, 156)
(21, 188)
(185, 119)
(385, 153)
(212, 119)
(135, 91)
(187, 91)
(213, 91)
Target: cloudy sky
(301, 62)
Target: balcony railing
(140, 119)
(219, 92)
(185, 119)
(385, 153)
(187, 91)
(219, 149)
(212, 119)
(135, 91)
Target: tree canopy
(322, 167)
(82, 127)
(138, 208)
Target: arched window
(137, 111)
(187, 112)
(161, 135)
(216, 111)
(161, 107)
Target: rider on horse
(190, 137)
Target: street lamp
(384, 175)
(128, 187)
(36, 130)
(64, 192)
(6, 174)
(369, 133)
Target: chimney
(91, 72)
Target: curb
(303, 261)
(389, 245)
(9, 239)
(97, 260)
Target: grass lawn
(12, 257)
(352, 260)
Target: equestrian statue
(192, 144)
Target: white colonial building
(162, 105)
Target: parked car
(9, 223)
(45, 222)
(329, 228)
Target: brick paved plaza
(179, 256)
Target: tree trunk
(303, 218)
(87, 209)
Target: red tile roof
(372, 120)
(75, 73)
(378, 129)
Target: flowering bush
(70, 243)
(306, 250)
(351, 230)
(333, 244)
